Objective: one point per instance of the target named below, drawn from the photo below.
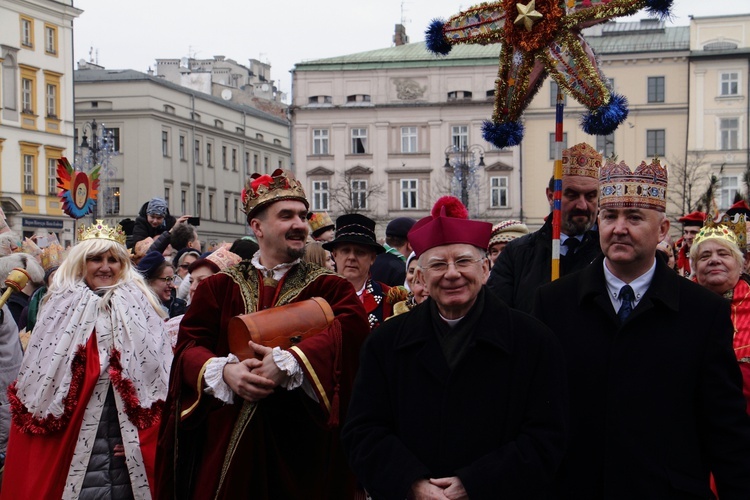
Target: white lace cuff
(214, 378)
(288, 364)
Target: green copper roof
(616, 38)
(410, 55)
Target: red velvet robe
(289, 447)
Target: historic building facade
(191, 148)
(36, 112)
(370, 130)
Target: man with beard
(526, 263)
(265, 427)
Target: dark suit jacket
(655, 403)
(526, 264)
(497, 421)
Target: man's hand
(268, 368)
(452, 487)
(182, 220)
(246, 384)
(425, 490)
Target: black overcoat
(497, 421)
(655, 403)
(526, 264)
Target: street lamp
(462, 161)
(97, 152)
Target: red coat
(289, 446)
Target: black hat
(355, 228)
(149, 264)
(400, 227)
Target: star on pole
(527, 15)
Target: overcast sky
(132, 35)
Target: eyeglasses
(184, 266)
(441, 267)
(168, 279)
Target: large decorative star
(533, 47)
(527, 15)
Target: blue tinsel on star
(659, 8)
(605, 119)
(435, 40)
(503, 135)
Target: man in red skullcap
(462, 396)
(691, 225)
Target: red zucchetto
(448, 224)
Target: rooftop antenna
(404, 20)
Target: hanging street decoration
(79, 190)
(538, 38)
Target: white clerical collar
(278, 271)
(362, 290)
(451, 322)
(639, 285)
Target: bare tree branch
(685, 178)
(352, 200)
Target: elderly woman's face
(102, 270)
(716, 267)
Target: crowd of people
(445, 364)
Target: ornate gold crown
(263, 189)
(319, 220)
(102, 231)
(726, 229)
(645, 187)
(581, 159)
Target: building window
(729, 189)
(354, 98)
(359, 141)
(259, 137)
(605, 144)
(280, 163)
(199, 201)
(27, 32)
(51, 101)
(655, 89)
(553, 94)
(50, 39)
(552, 154)
(409, 140)
(409, 194)
(277, 142)
(256, 163)
(320, 99)
(27, 96)
(112, 203)
(655, 143)
(320, 141)
(219, 124)
(164, 143)
(234, 159)
(115, 138)
(265, 165)
(729, 83)
(224, 158)
(458, 95)
(460, 136)
(183, 202)
(729, 128)
(52, 176)
(359, 194)
(320, 195)
(210, 205)
(247, 163)
(197, 152)
(226, 208)
(182, 147)
(209, 154)
(166, 196)
(28, 174)
(499, 192)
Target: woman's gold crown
(101, 230)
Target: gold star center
(527, 15)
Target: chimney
(400, 38)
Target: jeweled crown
(582, 160)
(319, 220)
(263, 189)
(733, 231)
(645, 187)
(102, 231)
